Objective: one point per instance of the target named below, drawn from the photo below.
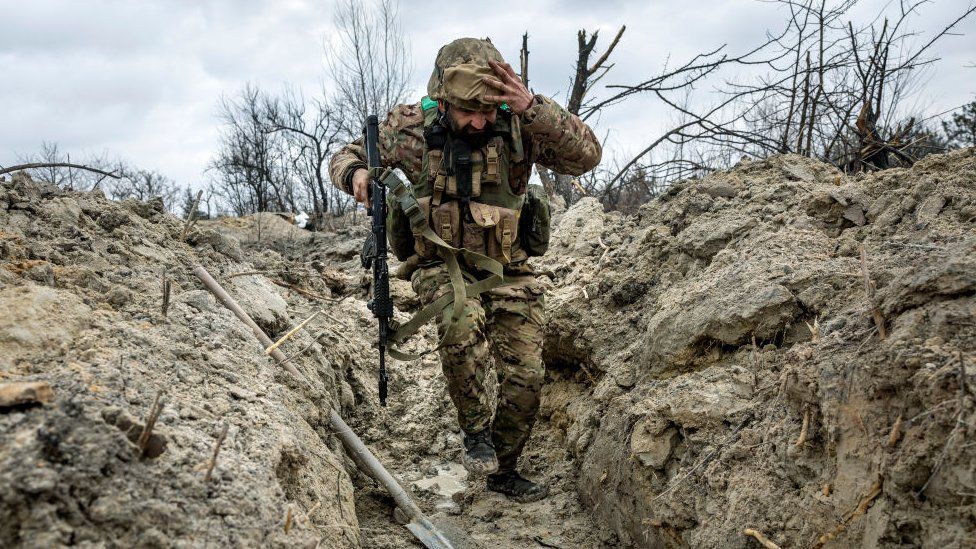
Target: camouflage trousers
(506, 321)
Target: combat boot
(479, 454)
(517, 487)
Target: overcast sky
(140, 80)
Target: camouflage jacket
(551, 136)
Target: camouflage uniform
(507, 319)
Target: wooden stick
(167, 286)
(154, 412)
(305, 293)
(355, 447)
(216, 451)
(191, 215)
(761, 538)
(58, 165)
(229, 302)
(290, 333)
(869, 289)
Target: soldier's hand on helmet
(360, 186)
(513, 91)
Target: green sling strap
(403, 195)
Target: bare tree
(821, 86)
(368, 61)
(143, 185)
(55, 166)
(585, 77)
(311, 133)
(960, 130)
(251, 168)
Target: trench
(417, 438)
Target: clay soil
(722, 360)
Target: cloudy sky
(140, 80)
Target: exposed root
(704, 461)
(814, 329)
(289, 517)
(895, 433)
(191, 216)
(804, 429)
(860, 509)
(167, 286)
(761, 538)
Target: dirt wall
(738, 378)
(81, 309)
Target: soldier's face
(470, 123)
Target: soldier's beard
(474, 138)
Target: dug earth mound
(778, 348)
(751, 367)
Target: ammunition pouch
(534, 221)
(439, 233)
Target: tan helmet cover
(460, 73)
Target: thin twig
(191, 216)
(942, 455)
(702, 462)
(869, 289)
(58, 165)
(154, 412)
(305, 293)
(167, 286)
(249, 273)
(290, 333)
(216, 452)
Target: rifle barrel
(381, 304)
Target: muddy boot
(479, 455)
(517, 487)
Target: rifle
(373, 255)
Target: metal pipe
(420, 525)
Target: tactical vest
(463, 208)
(467, 194)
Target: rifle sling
(449, 254)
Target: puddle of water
(449, 480)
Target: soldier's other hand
(513, 91)
(360, 186)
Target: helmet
(460, 71)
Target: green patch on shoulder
(427, 103)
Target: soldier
(468, 150)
